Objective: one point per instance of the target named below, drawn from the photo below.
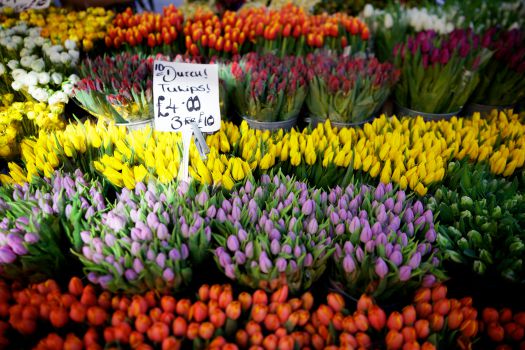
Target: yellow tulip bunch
(23, 119)
(82, 27)
(8, 17)
(122, 158)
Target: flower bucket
(314, 121)
(484, 110)
(271, 126)
(407, 112)
(138, 125)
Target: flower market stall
(364, 189)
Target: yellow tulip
(375, 169)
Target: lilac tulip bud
(348, 264)
(332, 197)
(334, 217)
(396, 258)
(280, 264)
(248, 250)
(418, 208)
(382, 217)
(85, 236)
(226, 206)
(201, 198)
(338, 253)
(430, 235)
(340, 229)
(312, 226)
(161, 259)
(405, 272)
(395, 223)
(381, 268)
(400, 196)
(359, 254)
(31, 238)
(224, 258)
(22, 222)
(118, 267)
(130, 275)
(221, 215)
(355, 225)
(134, 215)
(110, 239)
(308, 260)
(115, 222)
(415, 260)
(274, 234)
(343, 214)
(152, 220)
(162, 232)
(429, 281)
(259, 193)
(409, 215)
(293, 265)
(168, 275)
(184, 251)
(7, 256)
(419, 221)
(297, 252)
(348, 247)
(377, 228)
(389, 204)
(398, 208)
(286, 249)
(242, 235)
(104, 281)
(210, 213)
(389, 248)
(135, 248)
(248, 187)
(429, 217)
(87, 252)
(239, 257)
(366, 235)
(404, 239)
(275, 247)
(379, 192)
(264, 263)
(150, 254)
(268, 225)
(308, 207)
(369, 246)
(229, 271)
(97, 258)
(381, 239)
(89, 213)
(232, 243)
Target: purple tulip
(428, 216)
(248, 250)
(232, 243)
(211, 212)
(395, 223)
(97, 258)
(86, 251)
(31, 238)
(297, 252)
(366, 235)
(381, 268)
(389, 248)
(409, 215)
(415, 260)
(419, 221)
(110, 239)
(334, 217)
(429, 281)
(280, 264)
(274, 234)
(201, 198)
(229, 271)
(312, 226)
(242, 235)
(369, 246)
(224, 258)
(430, 235)
(389, 204)
(286, 249)
(248, 187)
(308, 207)
(410, 229)
(405, 272)
(92, 277)
(221, 215)
(308, 260)
(359, 254)
(379, 192)
(239, 257)
(6, 255)
(135, 248)
(162, 232)
(275, 247)
(398, 208)
(340, 229)
(115, 222)
(396, 258)
(161, 260)
(355, 225)
(264, 263)
(418, 208)
(104, 281)
(184, 251)
(174, 254)
(348, 264)
(130, 275)
(377, 228)
(168, 275)
(152, 220)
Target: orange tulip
(336, 302)
(394, 340)
(395, 321)
(376, 317)
(422, 328)
(454, 319)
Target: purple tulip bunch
(149, 239)
(31, 246)
(385, 242)
(273, 234)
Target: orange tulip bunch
(504, 328)
(147, 29)
(286, 31)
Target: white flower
(30, 79)
(16, 85)
(26, 61)
(449, 28)
(38, 65)
(368, 11)
(44, 78)
(2, 69)
(16, 40)
(75, 55)
(40, 95)
(73, 79)
(13, 64)
(57, 78)
(58, 97)
(18, 72)
(39, 41)
(389, 21)
(64, 58)
(70, 44)
(55, 57)
(25, 52)
(67, 88)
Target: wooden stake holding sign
(186, 100)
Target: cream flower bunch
(36, 68)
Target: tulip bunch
(151, 32)
(34, 67)
(345, 89)
(31, 245)
(117, 87)
(25, 119)
(59, 24)
(439, 73)
(385, 242)
(267, 88)
(481, 221)
(504, 328)
(148, 240)
(295, 245)
(503, 80)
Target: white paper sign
(186, 93)
(22, 5)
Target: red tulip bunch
(504, 328)
(147, 29)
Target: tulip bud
(264, 263)
(366, 235)
(348, 264)
(405, 272)
(381, 268)
(232, 243)
(396, 258)
(308, 207)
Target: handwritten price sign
(186, 93)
